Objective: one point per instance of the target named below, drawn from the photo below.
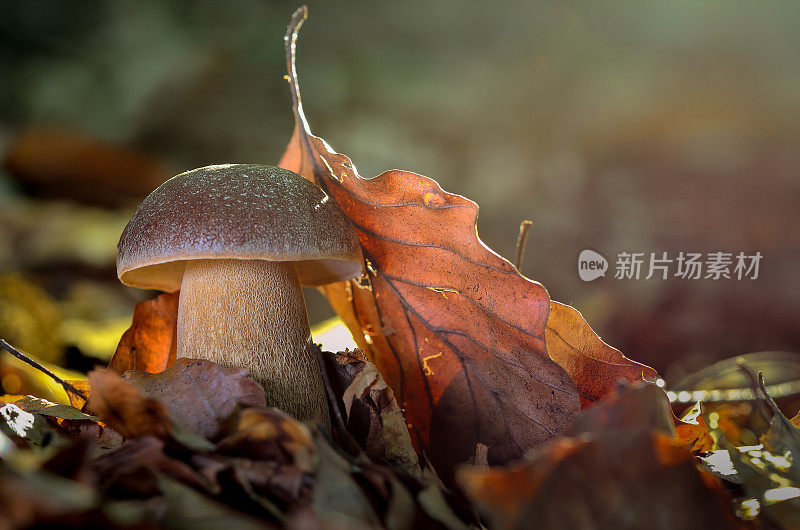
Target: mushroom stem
(251, 313)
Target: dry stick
(22, 357)
(524, 226)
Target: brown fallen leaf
(455, 329)
(631, 408)
(261, 433)
(646, 404)
(124, 408)
(89, 430)
(344, 298)
(199, 394)
(130, 470)
(149, 344)
(604, 480)
(67, 164)
(373, 416)
(266, 458)
(595, 367)
(268, 486)
(265, 463)
(619, 466)
(307, 518)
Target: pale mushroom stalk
(251, 313)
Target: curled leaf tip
(290, 43)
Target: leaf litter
(466, 365)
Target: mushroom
(237, 240)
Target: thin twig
(761, 404)
(524, 226)
(22, 357)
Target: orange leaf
(691, 430)
(149, 344)
(74, 399)
(507, 489)
(594, 366)
(454, 328)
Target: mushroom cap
(237, 211)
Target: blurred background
(615, 126)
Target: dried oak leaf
(72, 462)
(255, 486)
(150, 343)
(455, 329)
(198, 394)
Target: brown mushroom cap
(237, 211)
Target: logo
(591, 265)
(717, 265)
